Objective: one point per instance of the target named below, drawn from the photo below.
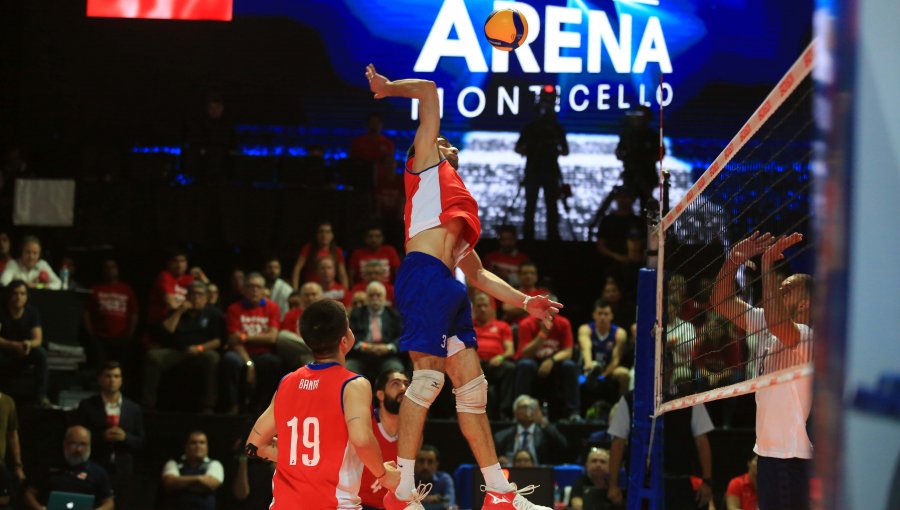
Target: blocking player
(782, 443)
(322, 415)
(442, 227)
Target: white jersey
(782, 409)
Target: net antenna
(759, 182)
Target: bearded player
(322, 415)
(442, 227)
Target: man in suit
(533, 433)
(117, 428)
(377, 329)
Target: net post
(645, 478)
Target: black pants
(12, 366)
(561, 385)
(783, 484)
(679, 493)
(500, 380)
(533, 184)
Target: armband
(251, 450)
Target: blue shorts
(437, 315)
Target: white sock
(407, 478)
(494, 479)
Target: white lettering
(603, 96)
(511, 102)
(670, 94)
(584, 104)
(500, 59)
(461, 102)
(600, 33)
(453, 14)
(652, 49)
(622, 104)
(555, 39)
(642, 91)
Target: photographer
(542, 142)
(638, 150)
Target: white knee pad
(472, 396)
(425, 387)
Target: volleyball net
(736, 259)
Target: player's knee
(424, 387)
(472, 396)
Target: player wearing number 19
(321, 414)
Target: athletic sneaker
(512, 499)
(391, 502)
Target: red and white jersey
(435, 196)
(317, 466)
(388, 446)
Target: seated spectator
(190, 483)
(741, 493)
(214, 295)
(111, 319)
(371, 271)
(308, 294)
(358, 300)
(601, 344)
(528, 279)
(532, 432)
(279, 290)
(5, 251)
(377, 330)
(252, 326)
(375, 260)
(78, 475)
(495, 349)
(443, 492)
(614, 228)
(596, 478)
(169, 289)
(31, 268)
(191, 336)
(506, 259)
(390, 387)
(680, 340)
(235, 288)
(331, 288)
(117, 430)
(306, 267)
(544, 361)
(717, 355)
(21, 337)
(523, 458)
(10, 449)
(292, 350)
(623, 310)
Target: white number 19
(310, 440)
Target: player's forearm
(367, 449)
(496, 287)
(616, 452)
(724, 289)
(704, 452)
(411, 88)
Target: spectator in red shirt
(375, 256)
(323, 247)
(528, 278)
(252, 324)
(292, 350)
(111, 319)
(371, 272)
(717, 355)
(495, 348)
(741, 493)
(545, 354)
(331, 288)
(378, 150)
(506, 260)
(170, 287)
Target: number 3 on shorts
(310, 440)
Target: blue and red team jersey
(317, 466)
(388, 444)
(435, 196)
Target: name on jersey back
(308, 384)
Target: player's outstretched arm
(778, 317)
(425, 92)
(358, 417)
(724, 298)
(261, 443)
(493, 285)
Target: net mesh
(737, 259)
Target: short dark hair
(110, 365)
(431, 448)
(601, 303)
(269, 257)
(13, 285)
(322, 326)
(385, 376)
(411, 152)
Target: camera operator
(542, 142)
(638, 150)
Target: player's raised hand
(541, 307)
(750, 247)
(776, 250)
(377, 82)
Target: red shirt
(537, 291)
(389, 290)
(310, 270)
(166, 284)
(491, 337)
(111, 307)
(386, 256)
(504, 265)
(337, 292)
(742, 488)
(715, 357)
(316, 468)
(435, 196)
(559, 337)
(253, 321)
(291, 321)
(388, 452)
